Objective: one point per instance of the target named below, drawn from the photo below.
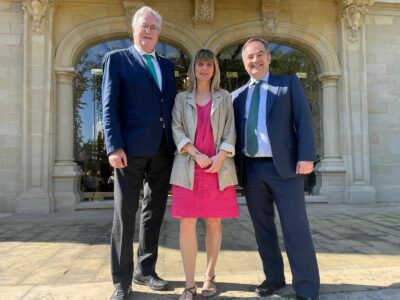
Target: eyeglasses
(149, 27)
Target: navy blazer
(133, 105)
(289, 124)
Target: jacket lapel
(216, 99)
(240, 106)
(161, 63)
(191, 128)
(272, 93)
(191, 100)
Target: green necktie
(252, 121)
(151, 67)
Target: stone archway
(293, 35)
(330, 171)
(66, 173)
(94, 32)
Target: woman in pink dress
(203, 175)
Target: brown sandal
(212, 290)
(192, 290)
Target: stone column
(353, 115)
(330, 171)
(66, 173)
(36, 196)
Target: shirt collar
(265, 79)
(141, 52)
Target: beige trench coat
(184, 124)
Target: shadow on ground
(228, 291)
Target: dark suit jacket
(289, 124)
(133, 104)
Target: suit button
(161, 119)
(162, 100)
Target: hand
(117, 159)
(202, 160)
(304, 167)
(217, 161)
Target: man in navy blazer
(138, 96)
(275, 145)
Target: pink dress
(205, 200)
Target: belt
(259, 157)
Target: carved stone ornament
(38, 10)
(203, 12)
(270, 14)
(354, 13)
(130, 9)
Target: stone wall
(30, 108)
(11, 95)
(383, 79)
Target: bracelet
(194, 155)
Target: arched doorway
(285, 60)
(89, 148)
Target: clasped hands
(213, 164)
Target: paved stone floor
(66, 255)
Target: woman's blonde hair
(207, 55)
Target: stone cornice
(38, 10)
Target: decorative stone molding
(38, 10)
(270, 14)
(203, 12)
(354, 13)
(130, 8)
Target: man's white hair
(146, 10)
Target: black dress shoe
(308, 298)
(152, 281)
(121, 293)
(268, 288)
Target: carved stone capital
(65, 74)
(203, 12)
(270, 13)
(38, 10)
(130, 9)
(354, 13)
(329, 77)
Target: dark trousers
(263, 186)
(155, 171)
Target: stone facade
(354, 43)
(11, 102)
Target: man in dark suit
(275, 145)
(138, 97)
